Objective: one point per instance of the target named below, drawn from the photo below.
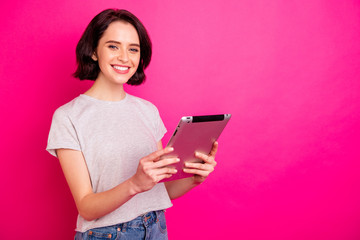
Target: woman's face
(118, 53)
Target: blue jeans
(151, 225)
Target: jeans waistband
(145, 219)
(154, 220)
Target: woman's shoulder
(140, 101)
(144, 106)
(69, 107)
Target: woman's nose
(123, 55)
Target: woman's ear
(94, 56)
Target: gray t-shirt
(113, 137)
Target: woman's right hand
(152, 169)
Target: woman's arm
(201, 171)
(92, 205)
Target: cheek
(137, 60)
(104, 60)
(102, 65)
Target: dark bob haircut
(89, 69)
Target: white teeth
(121, 68)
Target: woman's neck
(106, 92)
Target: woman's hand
(152, 169)
(202, 170)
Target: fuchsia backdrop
(288, 71)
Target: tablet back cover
(194, 133)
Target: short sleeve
(62, 133)
(160, 127)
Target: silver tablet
(194, 133)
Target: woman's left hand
(202, 170)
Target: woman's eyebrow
(116, 42)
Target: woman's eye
(112, 47)
(134, 50)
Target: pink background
(288, 71)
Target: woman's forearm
(96, 205)
(92, 205)
(179, 187)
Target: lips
(121, 69)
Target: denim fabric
(151, 225)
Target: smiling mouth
(121, 68)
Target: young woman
(109, 142)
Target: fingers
(163, 176)
(200, 166)
(154, 168)
(155, 156)
(165, 162)
(159, 167)
(199, 171)
(206, 158)
(210, 158)
(156, 175)
(202, 170)
(159, 170)
(166, 171)
(214, 149)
